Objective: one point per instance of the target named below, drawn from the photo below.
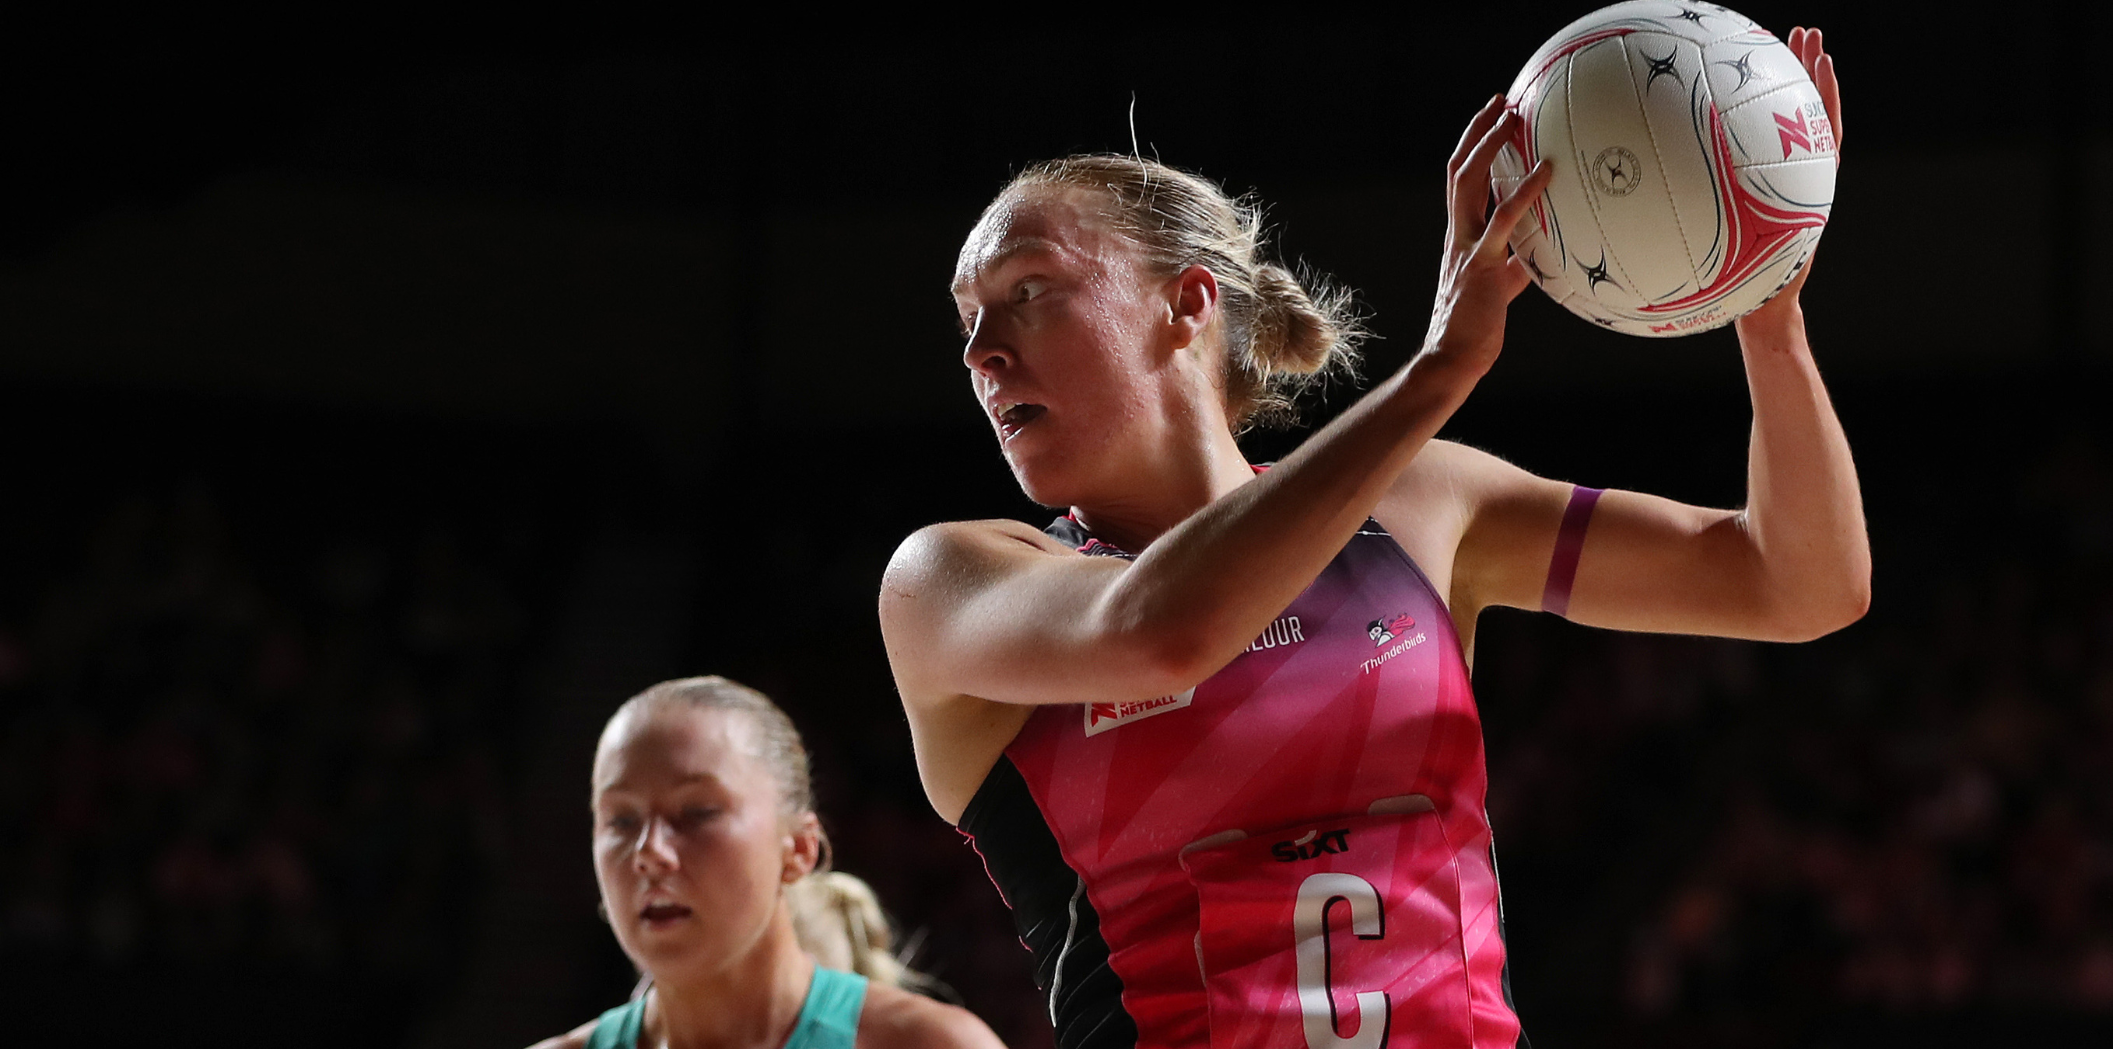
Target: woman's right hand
(1479, 276)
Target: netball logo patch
(1387, 629)
(1100, 717)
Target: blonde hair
(839, 920)
(778, 741)
(1284, 333)
(836, 916)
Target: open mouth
(1014, 417)
(659, 915)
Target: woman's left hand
(1811, 50)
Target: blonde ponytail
(839, 920)
(1285, 333)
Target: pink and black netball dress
(1294, 853)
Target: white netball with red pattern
(1694, 166)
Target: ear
(803, 847)
(1192, 303)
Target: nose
(986, 352)
(656, 848)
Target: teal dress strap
(618, 1028)
(829, 1019)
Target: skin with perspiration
(1125, 422)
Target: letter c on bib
(1309, 926)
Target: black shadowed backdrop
(384, 405)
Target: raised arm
(1794, 564)
(994, 610)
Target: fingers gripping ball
(1693, 166)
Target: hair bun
(1293, 335)
(1284, 334)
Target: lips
(662, 915)
(1014, 416)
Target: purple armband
(1569, 543)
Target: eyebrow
(681, 781)
(1013, 246)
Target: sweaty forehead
(660, 744)
(1060, 222)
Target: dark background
(386, 402)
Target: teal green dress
(828, 1019)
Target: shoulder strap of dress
(829, 1020)
(1068, 531)
(618, 1028)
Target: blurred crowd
(1912, 817)
(237, 737)
(227, 742)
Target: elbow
(1165, 646)
(1161, 654)
(1851, 598)
(1819, 613)
(1161, 647)
(1171, 660)
(1836, 616)
(1859, 600)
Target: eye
(1028, 289)
(693, 815)
(622, 822)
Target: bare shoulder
(1468, 482)
(896, 1019)
(573, 1039)
(942, 568)
(1474, 523)
(1434, 498)
(955, 537)
(935, 554)
(1456, 466)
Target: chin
(1043, 496)
(1053, 472)
(670, 955)
(1041, 481)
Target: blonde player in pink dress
(1212, 729)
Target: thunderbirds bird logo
(1384, 630)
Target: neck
(1185, 477)
(751, 1003)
